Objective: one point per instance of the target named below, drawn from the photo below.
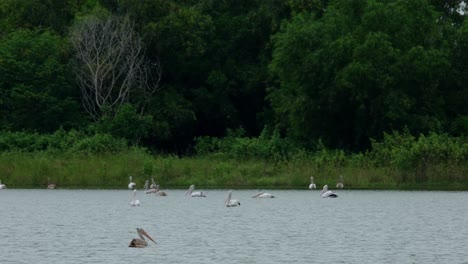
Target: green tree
(362, 68)
(56, 15)
(35, 87)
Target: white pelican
(134, 201)
(325, 193)
(194, 194)
(312, 185)
(231, 202)
(50, 185)
(340, 183)
(263, 195)
(140, 242)
(2, 186)
(131, 185)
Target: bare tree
(110, 65)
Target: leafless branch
(110, 65)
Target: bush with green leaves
(269, 145)
(406, 151)
(62, 141)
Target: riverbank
(111, 171)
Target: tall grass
(400, 161)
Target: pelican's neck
(140, 234)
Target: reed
(111, 171)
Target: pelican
(50, 185)
(153, 184)
(231, 202)
(263, 195)
(325, 193)
(145, 187)
(2, 186)
(134, 201)
(312, 185)
(131, 185)
(140, 242)
(159, 191)
(154, 188)
(149, 190)
(340, 183)
(194, 194)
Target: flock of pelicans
(229, 202)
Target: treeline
(320, 74)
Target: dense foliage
(322, 74)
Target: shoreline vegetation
(75, 161)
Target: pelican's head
(190, 189)
(325, 188)
(228, 197)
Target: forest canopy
(175, 73)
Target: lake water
(96, 226)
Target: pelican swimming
(146, 186)
(149, 190)
(50, 185)
(140, 242)
(159, 191)
(191, 192)
(263, 195)
(134, 201)
(231, 202)
(325, 193)
(340, 183)
(131, 185)
(154, 188)
(153, 184)
(312, 185)
(2, 186)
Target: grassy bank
(111, 170)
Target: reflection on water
(96, 226)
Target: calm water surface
(96, 226)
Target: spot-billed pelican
(140, 242)
(2, 186)
(191, 192)
(231, 202)
(154, 188)
(153, 184)
(148, 189)
(312, 185)
(50, 185)
(131, 185)
(325, 193)
(340, 183)
(134, 201)
(159, 191)
(146, 186)
(263, 195)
